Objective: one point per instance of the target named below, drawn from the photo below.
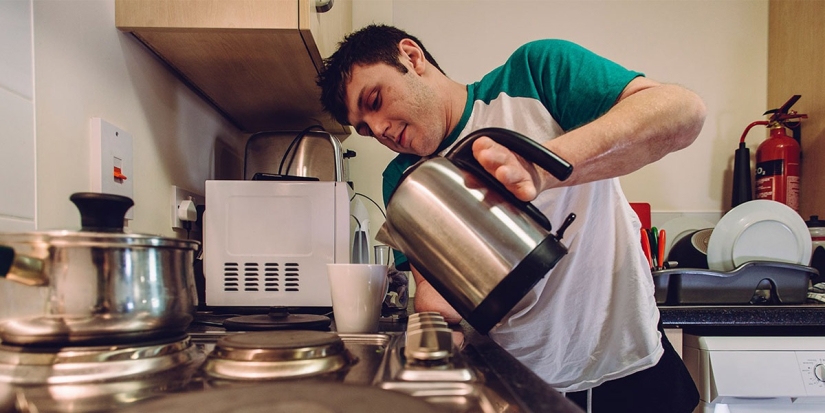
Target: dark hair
(370, 45)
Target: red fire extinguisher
(777, 168)
(777, 159)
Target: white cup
(357, 291)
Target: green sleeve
(575, 85)
(392, 177)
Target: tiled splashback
(657, 219)
(16, 118)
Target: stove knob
(819, 372)
(429, 344)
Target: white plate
(759, 230)
(677, 228)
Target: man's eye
(376, 103)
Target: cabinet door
(252, 59)
(795, 61)
(133, 15)
(328, 28)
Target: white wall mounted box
(112, 166)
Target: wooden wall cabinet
(256, 61)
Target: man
(591, 322)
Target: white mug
(357, 290)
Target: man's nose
(378, 126)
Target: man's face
(400, 110)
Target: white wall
(85, 68)
(718, 49)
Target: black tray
(754, 282)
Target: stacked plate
(759, 230)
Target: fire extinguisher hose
(748, 129)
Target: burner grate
(83, 364)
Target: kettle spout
(385, 235)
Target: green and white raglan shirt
(593, 317)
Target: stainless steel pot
(103, 285)
(479, 246)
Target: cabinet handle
(323, 6)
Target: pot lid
(67, 238)
(101, 217)
(278, 318)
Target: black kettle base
(516, 285)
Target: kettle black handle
(101, 212)
(520, 144)
(527, 148)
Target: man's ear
(412, 56)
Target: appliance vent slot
(292, 280)
(251, 277)
(261, 277)
(271, 276)
(231, 276)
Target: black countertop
(804, 319)
(807, 319)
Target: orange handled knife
(646, 247)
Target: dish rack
(754, 282)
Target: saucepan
(103, 285)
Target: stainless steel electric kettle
(480, 247)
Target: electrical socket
(179, 195)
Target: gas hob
(427, 363)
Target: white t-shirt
(593, 317)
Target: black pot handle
(462, 154)
(101, 212)
(6, 259)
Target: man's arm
(428, 299)
(648, 121)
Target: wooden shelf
(255, 60)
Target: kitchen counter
(805, 319)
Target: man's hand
(519, 176)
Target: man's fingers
(506, 167)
